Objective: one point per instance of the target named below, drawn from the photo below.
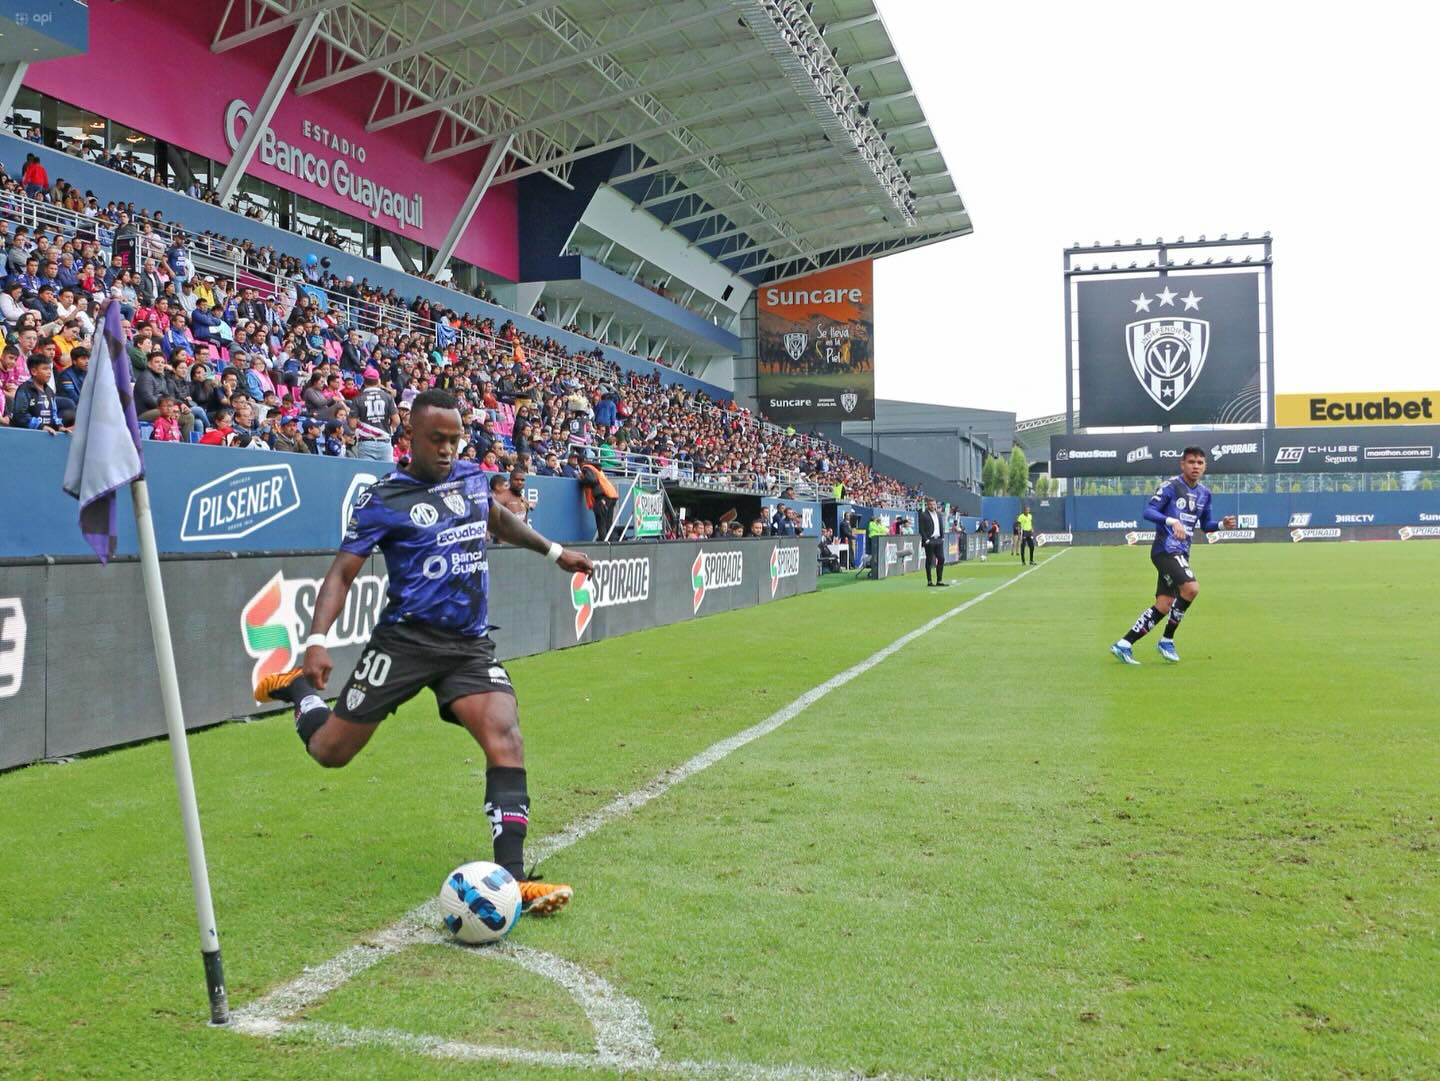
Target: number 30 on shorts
(374, 668)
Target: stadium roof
(795, 123)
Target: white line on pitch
(266, 1016)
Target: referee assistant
(1027, 534)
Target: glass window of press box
(96, 138)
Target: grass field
(996, 853)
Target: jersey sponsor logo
(1407, 532)
(1298, 535)
(1300, 518)
(615, 582)
(273, 621)
(424, 515)
(1042, 539)
(1124, 524)
(457, 534)
(784, 563)
(1354, 519)
(715, 570)
(239, 503)
(438, 566)
(12, 645)
(356, 496)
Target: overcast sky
(1097, 121)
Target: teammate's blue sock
(507, 805)
(1177, 613)
(1143, 625)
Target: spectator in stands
(35, 406)
(286, 437)
(257, 378)
(167, 427)
(11, 306)
(759, 527)
(12, 374)
(156, 382)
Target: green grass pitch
(999, 853)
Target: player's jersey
(433, 537)
(1176, 499)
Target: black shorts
(1174, 571)
(401, 659)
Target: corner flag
(105, 445)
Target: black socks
(1177, 613)
(1147, 620)
(507, 805)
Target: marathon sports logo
(1219, 450)
(1300, 518)
(614, 582)
(1102, 524)
(1298, 535)
(1139, 454)
(12, 645)
(1402, 454)
(273, 621)
(795, 344)
(1042, 539)
(784, 563)
(1407, 532)
(849, 400)
(715, 570)
(239, 503)
(1230, 535)
(1167, 354)
(356, 496)
(458, 534)
(1354, 519)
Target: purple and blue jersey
(1176, 499)
(433, 537)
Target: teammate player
(1181, 505)
(432, 520)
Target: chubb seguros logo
(715, 570)
(615, 581)
(239, 503)
(273, 621)
(784, 563)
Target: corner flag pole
(180, 753)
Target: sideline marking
(271, 1014)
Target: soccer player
(1178, 508)
(432, 520)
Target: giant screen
(816, 346)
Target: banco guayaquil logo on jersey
(715, 570)
(615, 581)
(1167, 349)
(795, 344)
(784, 563)
(273, 621)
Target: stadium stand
(245, 339)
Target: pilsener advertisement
(816, 346)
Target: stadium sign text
(1230, 535)
(1122, 524)
(273, 621)
(1401, 407)
(614, 582)
(12, 645)
(788, 297)
(334, 174)
(784, 563)
(715, 570)
(240, 502)
(1298, 535)
(1407, 532)
(1042, 539)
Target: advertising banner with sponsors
(1154, 453)
(1361, 449)
(896, 555)
(24, 609)
(1374, 407)
(815, 346)
(1178, 350)
(1268, 510)
(648, 513)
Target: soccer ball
(480, 902)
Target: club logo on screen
(848, 401)
(795, 344)
(1167, 350)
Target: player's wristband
(553, 555)
(313, 640)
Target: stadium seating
(286, 309)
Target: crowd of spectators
(284, 356)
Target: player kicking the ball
(432, 520)
(1180, 506)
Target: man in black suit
(932, 538)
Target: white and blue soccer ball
(480, 902)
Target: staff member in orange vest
(600, 494)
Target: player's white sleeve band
(553, 555)
(313, 640)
